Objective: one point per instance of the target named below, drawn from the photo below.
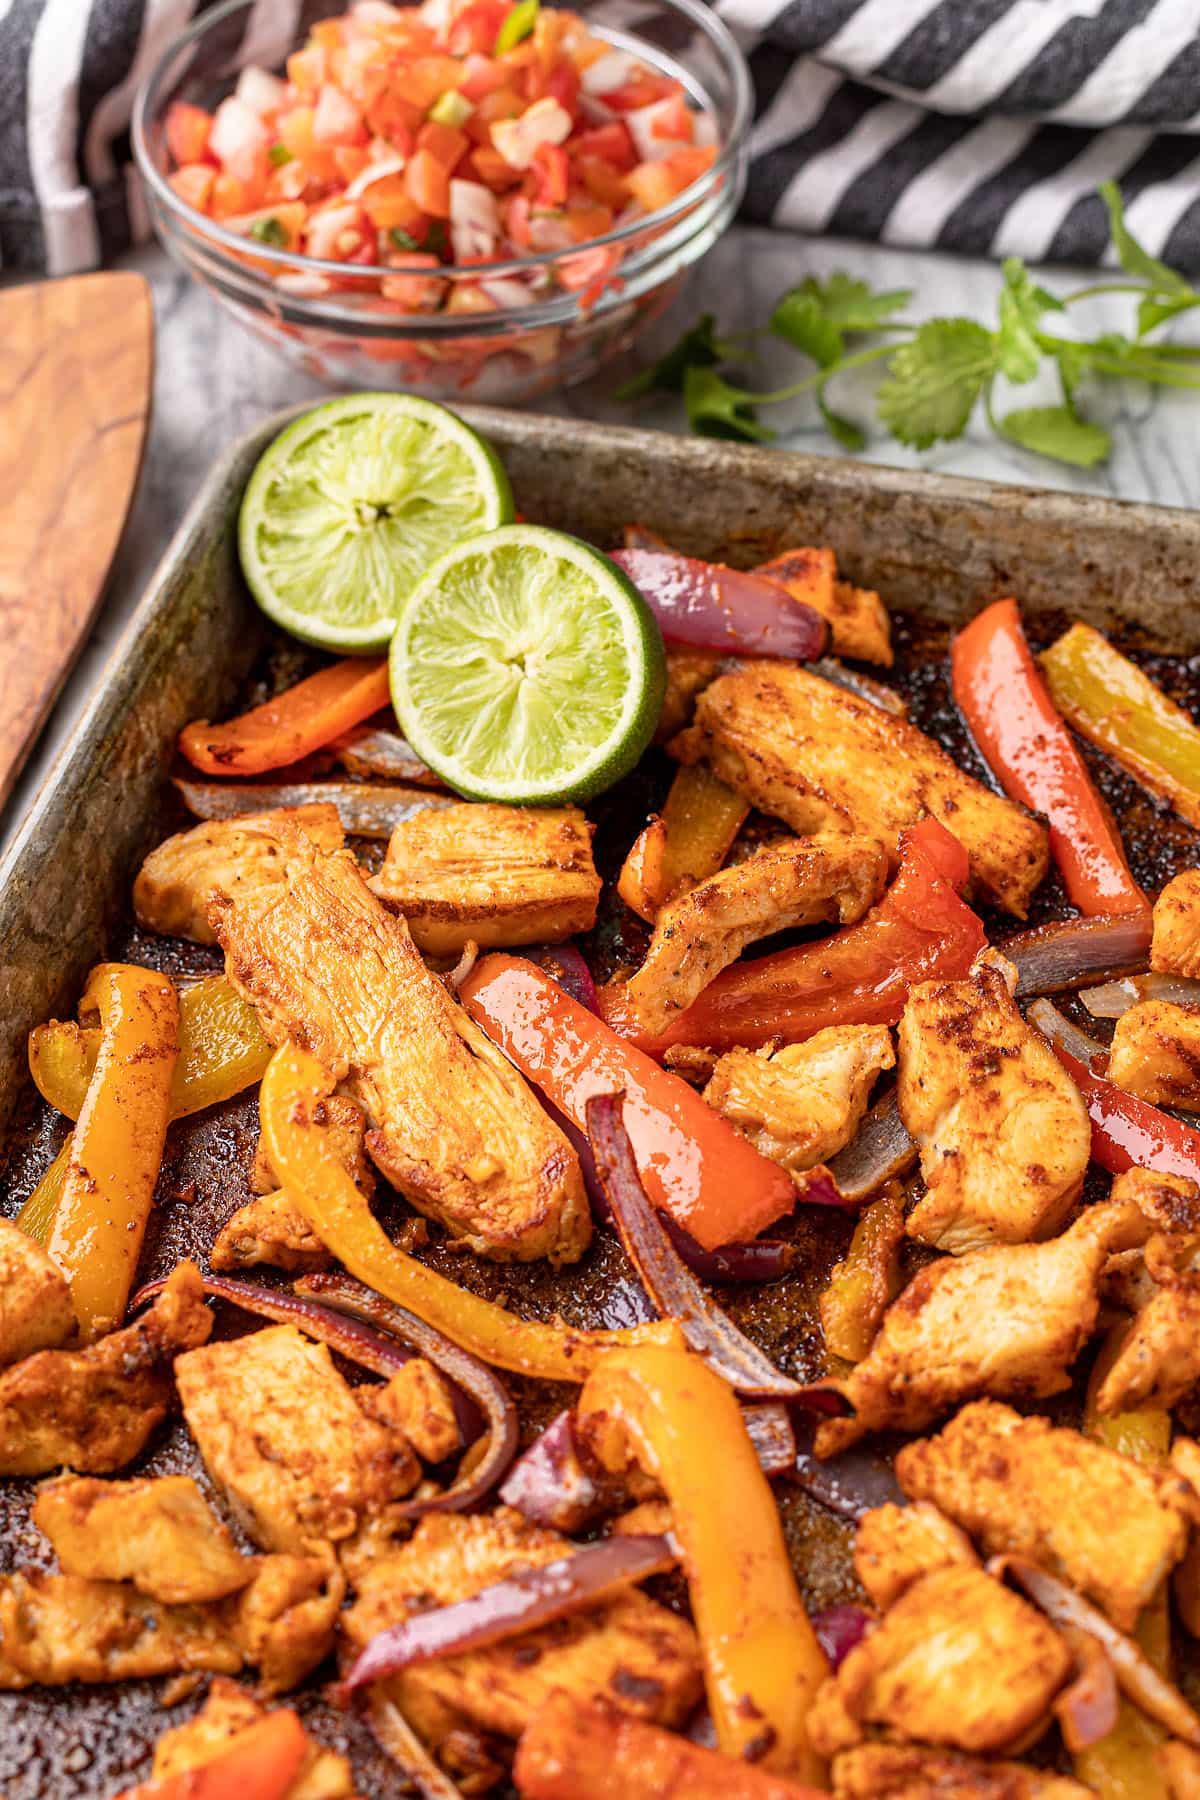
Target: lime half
(349, 506)
(526, 667)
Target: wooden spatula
(76, 360)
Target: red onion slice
(839, 1629)
(880, 1150)
(520, 1603)
(1114, 998)
(770, 1431)
(670, 1284)
(715, 608)
(757, 1259)
(397, 1739)
(1054, 959)
(863, 687)
(1138, 1678)
(564, 964)
(365, 811)
(851, 1484)
(640, 537)
(385, 753)
(1088, 1706)
(1058, 1030)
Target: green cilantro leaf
(802, 321)
(934, 380)
(848, 304)
(844, 431)
(278, 155)
(1022, 302)
(1133, 259)
(518, 25)
(717, 409)
(403, 240)
(698, 348)
(1074, 361)
(1153, 312)
(1059, 432)
(269, 231)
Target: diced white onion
(261, 92)
(374, 171)
(506, 290)
(518, 140)
(474, 220)
(641, 122)
(612, 70)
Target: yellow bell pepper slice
(688, 844)
(222, 1050)
(116, 1147)
(863, 1286)
(37, 1216)
(292, 1115)
(762, 1661)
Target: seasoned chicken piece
(283, 1436)
(456, 1128)
(60, 1628)
(802, 1103)
(794, 881)
(858, 621)
(897, 1545)
(176, 881)
(1023, 1487)
(94, 1409)
(161, 1534)
(1158, 1361)
(1005, 1138)
(497, 875)
(824, 760)
(958, 1660)
(228, 1711)
(689, 672)
(1006, 1320)
(269, 1230)
(346, 1125)
(911, 1772)
(629, 1651)
(1172, 1202)
(1175, 941)
(1179, 1766)
(417, 1402)
(35, 1302)
(1185, 1461)
(284, 1622)
(1156, 1054)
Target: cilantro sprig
(935, 373)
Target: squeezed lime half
(527, 668)
(348, 507)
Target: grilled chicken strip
(269, 1230)
(494, 875)
(800, 1104)
(1020, 1486)
(959, 1660)
(178, 879)
(161, 1534)
(1004, 1136)
(629, 1651)
(897, 1545)
(286, 1440)
(1156, 1054)
(94, 1409)
(229, 1710)
(911, 1772)
(35, 1302)
(1007, 1320)
(824, 760)
(1175, 941)
(825, 880)
(60, 1628)
(457, 1131)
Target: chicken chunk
(228, 1711)
(269, 1230)
(1179, 1767)
(689, 672)
(35, 1301)
(1007, 1320)
(494, 875)
(1023, 1487)
(93, 1410)
(417, 1402)
(177, 880)
(1004, 1136)
(1156, 1054)
(858, 621)
(60, 1628)
(824, 760)
(285, 1439)
(897, 1545)
(911, 1772)
(800, 1104)
(629, 1651)
(346, 1129)
(457, 1131)
(284, 1622)
(959, 1660)
(1171, 1202)
(1175, 941)
(792, 882)
(161, 1534)
(1158, 1360)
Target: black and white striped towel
(981, 126)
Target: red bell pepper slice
(261, 1763)
(693, 1164)
(1128, 1133)
(302, 719)
(919, 931)
(1020, 732)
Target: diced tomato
(387, 205)
(551, 167)
(603, 182)
(188, 131)
(655, 184)
(349, 160)
(414, 293)
(336, 233)
(611, 143)
(445, 142)
(194, 184)
(642, 90)
(491, 168)
(691, 162)
(516, 220)
(427, 182)
(468, 297)
(474, 30)
(306, 69)
(675, 121)
(229, 195)
(328, 34)
(562, 84)
(395, 120)
(588, 222)
(422, 80)
(481, 75)
(336, 119)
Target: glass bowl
(332, 320)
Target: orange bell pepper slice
(919, 931)
(864, 1284)
(302, 719)
(116, 1147)
(762, 1660)
(292, 1113)
(574, 1752)
(1004, 698)
(260, 1763)
(693, 1164)
(685, 845)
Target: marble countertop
(214, 381)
